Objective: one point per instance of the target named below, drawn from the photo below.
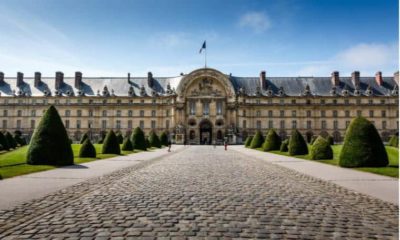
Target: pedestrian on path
(226, 145)
(169, 145)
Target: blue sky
(285, 37)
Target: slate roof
(120, 86)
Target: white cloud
(256, 21)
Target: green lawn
(392, 170)
(13, 163)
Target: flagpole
(205, 58)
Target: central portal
(205, 132)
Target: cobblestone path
(201, 192)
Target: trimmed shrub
(111, 145)
(154, 140)
(11, 141)
(127, 145)
(362, 146)
(164, 139)
(321, 149)
(120, 138)
(50, 143)
(394, 141)
(284, 146)
(20, 140)
(83, 138)
(257, 141)
(147, 142)
(137, 139)
(87, 150)
(297, 144)
(313, 138)
(272, 141)
(330, 140)
(248, 141)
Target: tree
(84, 137)
(127, 145)
(11, 141)
(50, 143)
(363, 147)
(297, 144)
(321, 149)
(164, 138)
(154, 140)
(111, 144)
(120, 138)
(284, 146)
(272, 141)
(248, 141)
(4, 142)
(257, 141)
(330, 140)
(87, 149)
(138, 140)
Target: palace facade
(202, 107)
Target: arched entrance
(205, 132)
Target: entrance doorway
(205, 132)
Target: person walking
(169, 145)
(226, 145)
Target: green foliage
(20, 140)
(321, 149)
(50, 143)
(164, 138)
(313, 138)
(284, 146)
(297, 144)
(111, 144)
(4, 142)
(147, 142)
(394, 141)
(138, 140)
(272, 141)
(362, 146)
(127, 145)
(83, 138)
(120, 138)
(154, 140)
(257, 141)
(248, 141)
(87, 150)
(330, 140)
(11, 141)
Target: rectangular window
(118, 124)
(323, 124)
(335, 114)
(129, 124)
(167, 124)
(371, 113)
(282, 113)
(5, 113)
(104, 113)
(142, 113)
(244, 113)
(244, 124)
(346, 101)
(293, 101)
(282, 124)
(258, 113)
(90, 124)
(294, 113)
(347, 113)
(118, 113)
(270, 113)
(294, 124)
(219, 108)
(359, 113)
(383, 113)
(78, 124)
(141, 124)
(90, 113)
(308, 113)
(79, 113)
(33, 123)
(383, 124)
(258, 124)
(4, 124)
(33, 113)
(103, 124)
(192, 108)
(323, 113)
(322, 101)
(153, 113)
(335, 124)
(130, 113)
(167, 113)
(206, 108)
(67, 113)
(66, 123)
(270, 124)
(19, 113)
(308, 124)
(18, 124)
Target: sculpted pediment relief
(205, 88)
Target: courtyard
(199, 192)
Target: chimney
(78, 80)
(355, 78)
(38, 79)
(335, 78)
(2, 78)
(395, 77)
(129, 77)
(150, 80)
(263, 82)
(59, 80)
(20, 79)
(378, 78)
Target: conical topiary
(50, 143)
(138, 140)
(120, 138)
(164, 138)
(394, 141)
(321, 149)
(83, 138)
(362, 146)
(248, 141)
(313, 138)
(110, 144)
(154, 140)
(330, 140)
(297, 144)
(11, 141)
(87, 150)
(272, 141)
(147, 142)
(127, 145)
(4, 142)
(284, 146)
(257, 141)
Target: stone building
(204, 106)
